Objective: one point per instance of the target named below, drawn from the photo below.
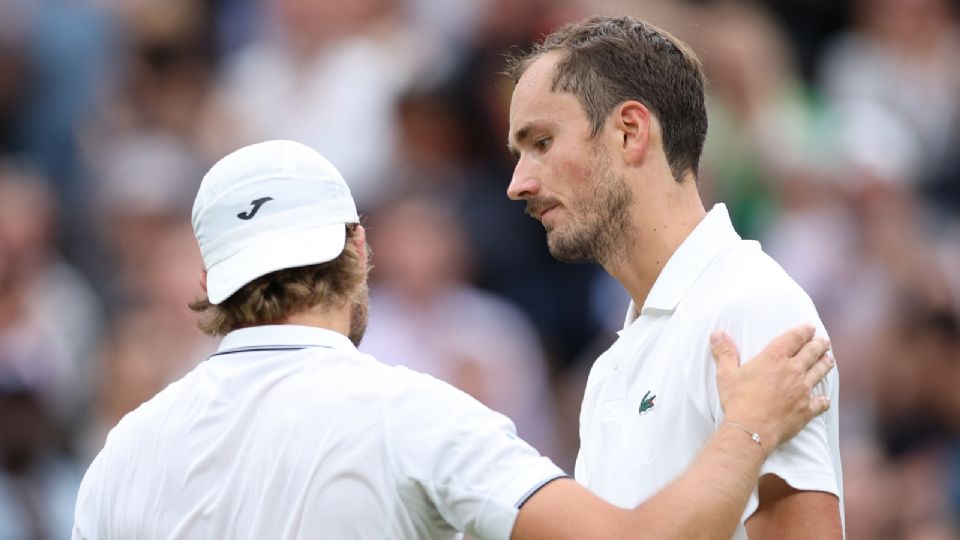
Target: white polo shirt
(289, 432)
(651, 400)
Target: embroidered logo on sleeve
(647, 402)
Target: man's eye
(542, 144)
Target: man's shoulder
(430, 392)
(144, 419)
(746, 281)
(405, 395)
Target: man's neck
(337, 319)
(655, 236)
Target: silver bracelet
(753, 434)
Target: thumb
(724, 351)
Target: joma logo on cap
(256, 208)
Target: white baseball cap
(266, 207)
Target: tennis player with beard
(288, 432)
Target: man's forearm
(705, 502)
(708, 499)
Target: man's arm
(797, 496)
(791, 514)
(770, 394)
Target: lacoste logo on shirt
(256, 208)
(647, 402)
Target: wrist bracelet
(753, 435)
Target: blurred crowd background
(834, 140)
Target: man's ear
(203, 280)
(634, 124)
(360, 242)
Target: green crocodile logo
(647, 402)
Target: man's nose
(524, 183)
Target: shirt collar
(284, 335)
(711, 236)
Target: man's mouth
(538, 210)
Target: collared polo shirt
(651, 401)
(289, 432)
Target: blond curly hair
(271, 298)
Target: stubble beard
(359, 315)
(595, 232)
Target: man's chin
(568, 252)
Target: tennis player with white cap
(289, 432)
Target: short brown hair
(273, 297)
(612, 60)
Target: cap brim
(288, 249)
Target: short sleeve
(466, 459)
(809, 461)
(86, 512)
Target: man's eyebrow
(521, 134)
(518, 137)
